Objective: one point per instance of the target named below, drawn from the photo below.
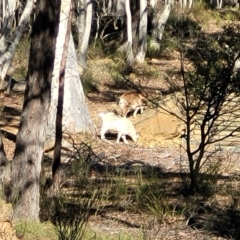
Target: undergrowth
(137, 190)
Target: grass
(113, 234)
(37, 231)
(89, 83)
(47, 231)
(143, 192)
(147, 193)
(133, 191)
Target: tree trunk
(76, 117)
(5, 172)
(216, 4)
(219, 4)
(66, 9)
(31, 135)
(184, 4)
(130, 57)
(159, 29)
(142, 41)
(7, 57)
(152, 3)
(7, 14)
(81, 22)
(190, 3)
(3, 159)
(85, 37)
(193, 187)
(109, 6)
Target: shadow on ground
(116, 180)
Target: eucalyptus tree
(66, 10)
(3, 159)
(216, 4)
(7, 15)
(130, 57)
(142, 38)
(8, 48)
(38, 118)
(85, 10)
(26, 165)
(183, 4)
(153, 3)
(76, 117)
(160, 19)
(81, 23)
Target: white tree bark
(81, 19)
(75, 113)
(152, 3)
(160, 25)
(142, 41)
(130, 57)
(190, 3)
(7, 14)
(216, 4)
(109, 6)
(184, 4)
(219, 4)
(120, 6)
(7, 57)
(86, 35)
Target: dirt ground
(159, 145)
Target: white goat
(121, 125)
(131, 101)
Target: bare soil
(158, 149)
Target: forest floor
(158, 150)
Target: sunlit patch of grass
(145, 71)
(105, 71)
(204, 16)
(46, 231)
(231, 15)
(35, 230)
(107, 234)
